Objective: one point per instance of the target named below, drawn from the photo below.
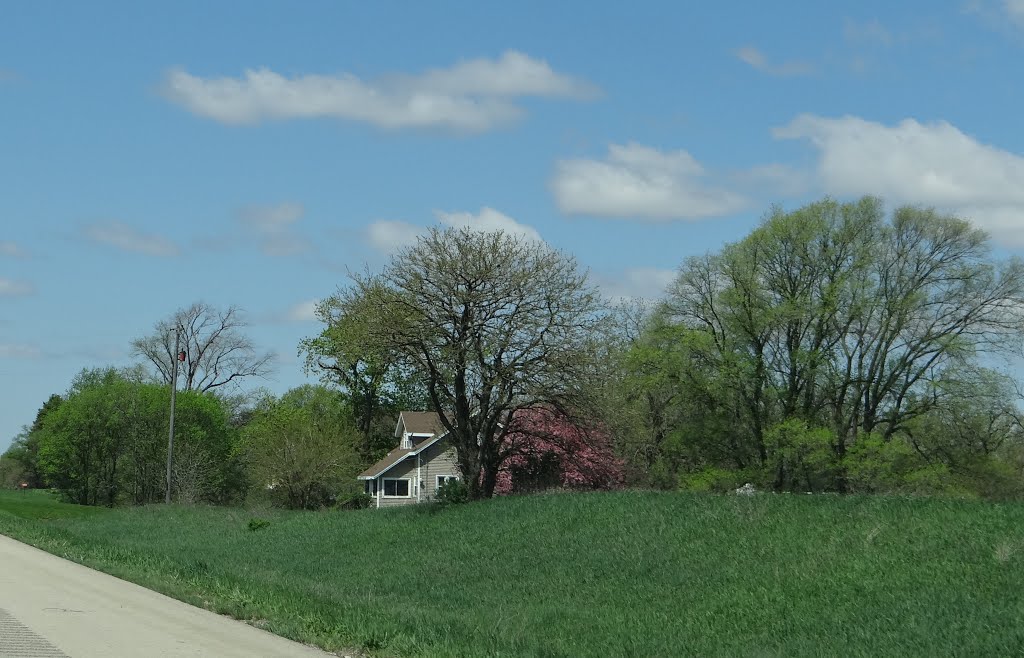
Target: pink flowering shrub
(545, 450)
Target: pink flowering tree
(544, 449)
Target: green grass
(42, 505)
(623, 574)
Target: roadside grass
(620, 574)
(41, 505)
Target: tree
(12, 472)
(547, 450)
(24, 450)
(302, 447)
(377, 385)
(106, 442)
(831, 318)
(216, 351)
(494, 324)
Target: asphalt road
(50, 607)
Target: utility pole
(174, 389)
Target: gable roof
(415, 422)
(419, 422)
(385, 464)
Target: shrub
(711, 479)
(258, 524)
(452, 492)
(357, 500)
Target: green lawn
(623, 574)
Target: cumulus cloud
(932, 164)
(11, 250)
(471, 96)
(758, 60)
(15, 288)
(127, 238)
(389, 236)
(272, 226)
(488, 219)
(641, 182)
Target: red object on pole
(181, 356)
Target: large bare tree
(495, 323)
(216, 350)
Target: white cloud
(756, 59)
(636, 181)
(272, 226)
(389, 236)
(14, 288)
(638, 283)
(471, 96)
(931, 164)
(11, 249)
(302, 312)
(1014, 11)
(488, 219)
(19, 351)
(127, 238)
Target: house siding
(404, 469)
(438, 459)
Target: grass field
(623, 574)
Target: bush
(452, 492)
(258, 524)
(711, 479)
(358, 500)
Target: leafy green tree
(834, 317)
(106, 442)
(377, 385)
(493, 323)
(24, 450)
(302, 447)
(12, 472)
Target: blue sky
(157, 154)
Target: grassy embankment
(624, 574)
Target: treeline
(834, 349)
(105, 443)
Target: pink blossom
(547, 450)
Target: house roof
(419, 422)
(389, 460)
(416, 422)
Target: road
(53, 608)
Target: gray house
(412, 472)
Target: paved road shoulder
(52, 607)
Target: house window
(442, 479)
(396, 488)
(371, 487)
